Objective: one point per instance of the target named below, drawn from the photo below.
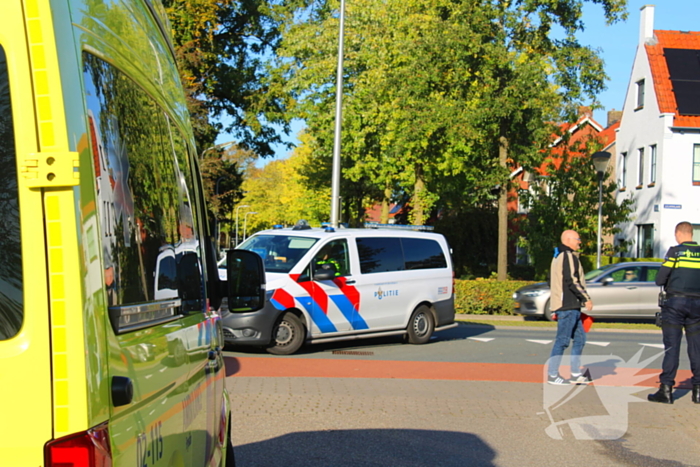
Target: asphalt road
(473, 396)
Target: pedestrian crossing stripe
(600, 344)
(656, 346)
(536, 341)
(482, 339)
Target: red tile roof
(661, 76)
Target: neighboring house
(658, 142)
(580, 132)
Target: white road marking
(482, 339)
(601, 344)
(544, 342)
(656, 346)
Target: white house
(658, 142)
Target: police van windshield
(279, 252)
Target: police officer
(680, 277)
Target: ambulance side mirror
(245, 281)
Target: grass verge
(553, 325)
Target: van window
(422, 253)
(280, 253)
(11, 300)
(150, 243)
(380, 254)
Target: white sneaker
(583, 378)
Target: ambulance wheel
(230, 456)
(420, 326)
(288, 335)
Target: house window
(623, 170)
(640, 176)
(652, 168)
(640, 94)
(696, 164)
(645, 241)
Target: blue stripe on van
(317, 316)
(346, 308)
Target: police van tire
(420, 326)
(287, 335)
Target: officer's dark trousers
(680, 313)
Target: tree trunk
(502, 264)
(386, 205)
(418, 210)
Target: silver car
(623, 290)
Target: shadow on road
(374, 447)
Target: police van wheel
(288, 335)
(421, 326)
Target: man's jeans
(679, 313)
(568, 327)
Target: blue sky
(617, 44)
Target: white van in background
(325, 285)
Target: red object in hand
(587, 322)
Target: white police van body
(325, 284)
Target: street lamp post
(237, 208)
(600, 161)
(245, 224)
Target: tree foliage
(221, 47)
(432, 87)
(567, 198)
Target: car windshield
(590, 275)
(280, 253)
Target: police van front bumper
(249, 329)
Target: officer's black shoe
(696, 393)
(663, 395)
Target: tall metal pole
(335, 182)
(600, 215)
(237, 208)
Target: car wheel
(547, 312)
(288, 335)
(420, 326)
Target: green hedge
(486, 296)
(492, 297)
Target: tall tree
(221, 47)
(432, 89)
(567, 198)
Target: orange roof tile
(660, 73)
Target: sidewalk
(339, 422)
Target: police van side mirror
(325, 272)
(245, 281)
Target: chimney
(646, 24)
(614, 116)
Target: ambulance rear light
(87, 449)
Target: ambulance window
(149, 229)
(11, 300)
(379, 254)
(421, 253)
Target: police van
(110, 348)
(324, 285)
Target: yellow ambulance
(110, 351)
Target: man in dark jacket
(680, 277)
(568, 292)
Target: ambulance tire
(420, 326)
(287, 335)
(230, 456)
